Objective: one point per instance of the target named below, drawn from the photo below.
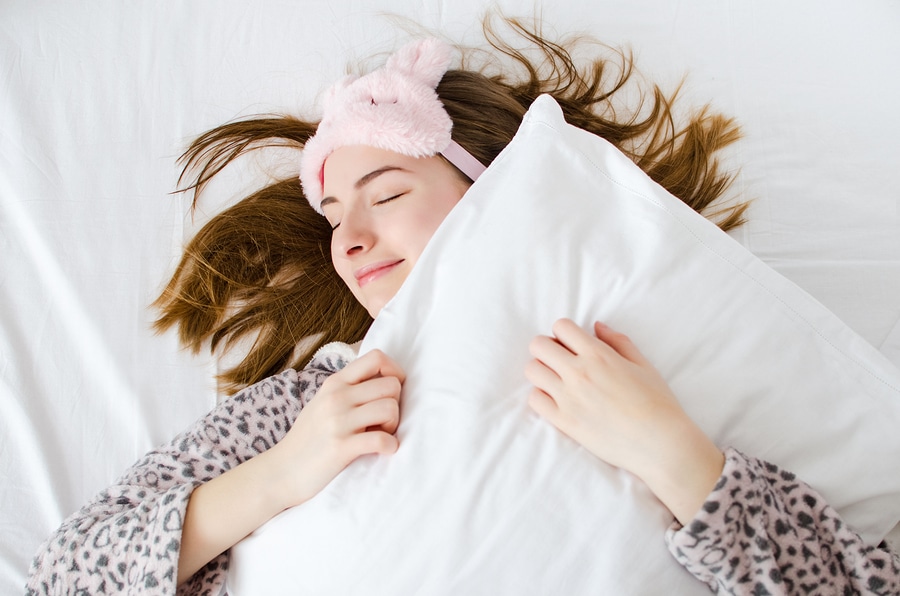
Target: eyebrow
(365, 180)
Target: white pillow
(484, 497)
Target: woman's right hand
(356, 412)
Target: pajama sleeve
(127, 540)
(763, 531)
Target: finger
(371, 365)
(390, 428)
(574, 338)
(372, 442)
(543, 405)
(550, 352)
(383, 413)
(372, 390)
(542, 377)
(619, 342)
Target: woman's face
(384, 208)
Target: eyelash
(381, 202)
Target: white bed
(99, 99)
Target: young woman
(311, 266)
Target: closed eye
(389, 199)
(381, 202)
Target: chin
(376, 302)
(374, 309)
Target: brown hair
(261, 270)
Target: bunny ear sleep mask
(394, 108)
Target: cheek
(426, 222)
(440, 208)
(420, 230)
(435, 216)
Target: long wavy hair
(259, 274)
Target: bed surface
(98, 99)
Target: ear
(424, 60)
(336, 90)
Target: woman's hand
(603, 393)
(356, 412)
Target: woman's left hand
(603, 393)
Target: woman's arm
(356, 412)
(762, 530)
(127, 539)
(133, 536)
(746, 522)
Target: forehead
(347, 165)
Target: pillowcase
(483, 496)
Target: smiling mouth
(370, 273)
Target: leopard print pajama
(761, 531)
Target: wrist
(276, 490)
(685, 473)
(224, 510)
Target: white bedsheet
(98, 98)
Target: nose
(355, 235)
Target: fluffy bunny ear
(425, 60)
(395, 108)
(336, 90)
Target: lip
(373, 271)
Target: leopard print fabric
(127, 540)
(762, 531)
